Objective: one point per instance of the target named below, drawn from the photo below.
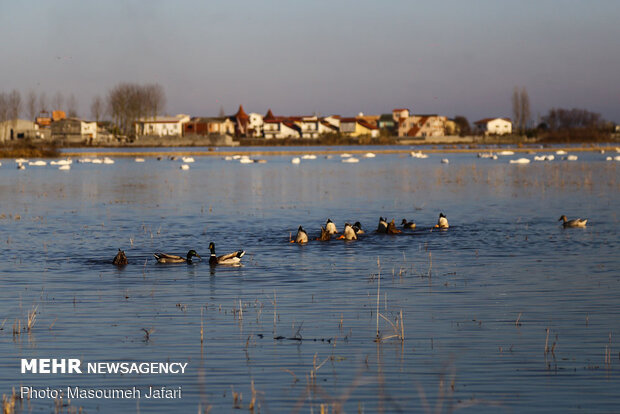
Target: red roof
(241, 113)
(269, 115)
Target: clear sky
(330, 57)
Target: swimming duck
(226, 259)
(325, 235)
(408, 224)
(573, 223)
(357, 227)
(120, 259)
(442, 223)
(171, 258)
(302, 236)
(348, 233)
(391, 229)
(383, 226)
(330, 227)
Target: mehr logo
(51, 366)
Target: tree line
(124, 104)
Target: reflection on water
(505, 258)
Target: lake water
(504, 259)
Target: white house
(309, 126)
(280, 128)
(255, 125)
(494, 126)
(162, 125)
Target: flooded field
(504, 312)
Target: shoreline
(262, 152)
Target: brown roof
(366, 124)
(241, 113)
(269, 115)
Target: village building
(309, 126)
(255, 125)
(241, 121)
(73, 130)
(399, 114)
(209, 126)
(386, 122)
(494, 126)
(333, 120)
(326, 127)
(354, 127)
(422, 126)
(161, 126)
(18, 129)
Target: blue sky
(332, 57)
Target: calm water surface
(505, 258)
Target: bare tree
(128, 102)
(72, 106)
(4, 114)
(42, 102)
(516, 107)
(97, 108)
(31, 104)
(525, 109)
(15, 105)
(58, 101)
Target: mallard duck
(330, 227)
(226, 259)
(302, 236)
(573, 223)
(348, 233)
(442, 223)
(358, 228)
(391, 229)
(171, 258)
(408, 224)
(325, 235)
(120, 259)
(383, 226)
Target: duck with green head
(171, 258)
(225, 259)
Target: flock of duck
(349, 232)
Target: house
(255, 125)
(494, 126)
(386, 122)
(354, 127)
(326, 127)
(74, 130)
(207, 126)
(241, 121)
(333, 120)
(161, 126)
(399, 113)
(280, 128)
(18, 129)
(369, 119)
(422, 126)
(309, 126)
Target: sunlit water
(505, 258)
